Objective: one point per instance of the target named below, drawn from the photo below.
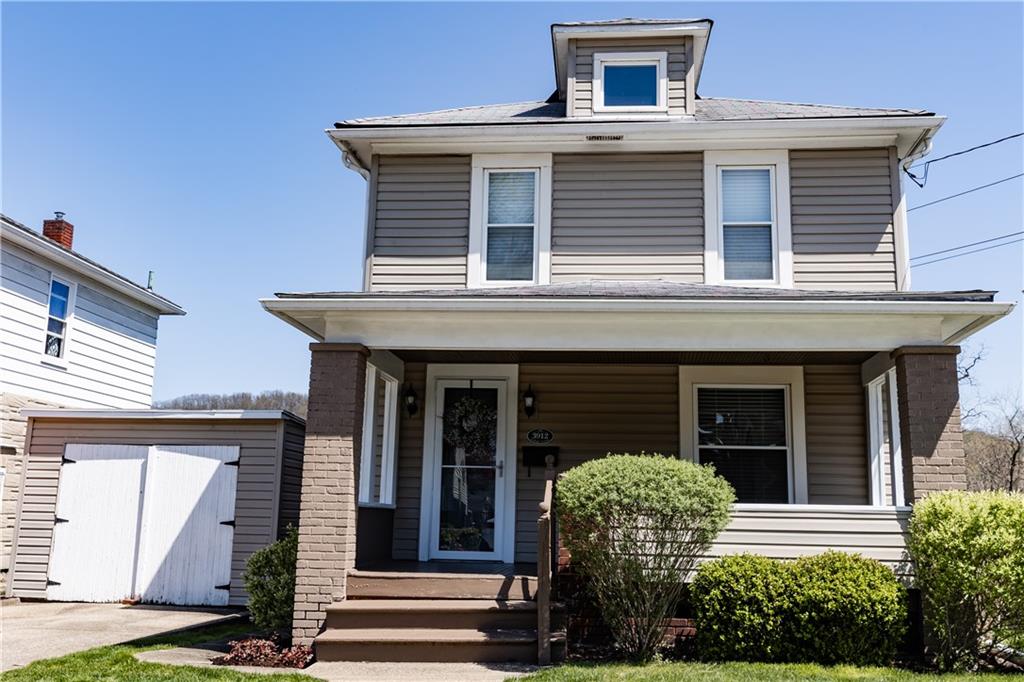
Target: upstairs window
(748, 240)
(630, 82)
(57, 319)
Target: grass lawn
(118, 662)
(729, 672)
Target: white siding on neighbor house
(110, 343)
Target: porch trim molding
(791, 376)
(508, 373)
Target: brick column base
(930, 433)
(330, 480)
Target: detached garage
(162, 506)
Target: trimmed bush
(635, 525)
(829, 608)
(739, 602)
(968, 554)
(270, 581)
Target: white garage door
(95, 534)
(154, 522)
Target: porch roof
(638, 316)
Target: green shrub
(739, 602)
(829, 608)
(634, 526)
(270, 581)
(968, 554)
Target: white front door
(469, 486)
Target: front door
(469, 469)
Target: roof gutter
(349, 157)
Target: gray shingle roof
(658, 289)
(707, 109)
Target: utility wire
(967, 253)
(968, 191)
(922, 180)
(964, 246)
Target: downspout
(351, 159)
(921, 148)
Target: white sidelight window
(630, 82)
(748, 237)
(59, 311)
(377, 471)
(885, 458)
(747, 423)
(510, 217)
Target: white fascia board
(71, 262)
(205, 415)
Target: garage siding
(266, 472)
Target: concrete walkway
(357, 672)
(36, 630)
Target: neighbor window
(742, 432)
(747, 219)
(630, 81)
(510, 220)
(57, 319)
(380, 430)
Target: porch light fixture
(409, 398)
(529, 402)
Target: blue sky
(188, 138)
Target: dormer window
(630, 82)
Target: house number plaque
(540, 436)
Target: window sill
(56, 363)
(376, 505)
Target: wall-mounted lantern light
(529, 402)
(409, 398)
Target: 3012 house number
(540, 436)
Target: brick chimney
(59, 230)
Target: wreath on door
(471, 424)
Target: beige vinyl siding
(627, 216)
(256, 498)
(405, 543)
(592, 410)
(420, 226)
(836, 427)
(110, 349)
(582, 69)
(843, 205)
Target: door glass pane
(467, 509)
(757, 475)
(510, 253)
(748, 252)
(510, 197)
(741, 416)
(631, 85)
(746, 195)
(470, 426)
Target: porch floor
(448, 567)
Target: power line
(922, 180)
(964, 246)
(967, 253)
(968, 191)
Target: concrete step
(480, 614)
(401, 585)
(401, 645)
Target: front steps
(437, 617)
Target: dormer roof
(562, 33)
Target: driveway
(32, 631)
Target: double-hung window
(510, 217)
(747, 233)
(58, 312)
(377, 471)
(630, 82)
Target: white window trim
(885, 382)
(476, 266)
(388, 450)
(782, 233)
(61, 361)
(603, 59)
(895, 443)
(753, 376)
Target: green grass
(729, 672)
(118, 662)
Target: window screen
(747, 223)
(743, 433)
(511, 222)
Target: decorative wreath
(471, 424)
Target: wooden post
(544, 566)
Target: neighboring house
(624, 266)
(72, 334)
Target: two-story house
(623, 266)
(72, 334)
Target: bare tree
(966, 363)
(296, 403)
(995, 453)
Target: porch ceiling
(635, 357)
